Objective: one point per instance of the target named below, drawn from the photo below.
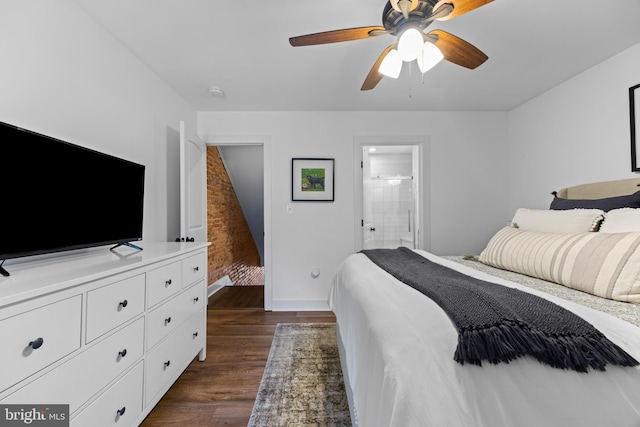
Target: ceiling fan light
(429, 57)
(391, 65)
(410, 44)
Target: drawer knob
(123, 304)
(167, 363)
(195, 334)
(195, 269)
(122, 353)
(168, 282)
(36, 344)
(167, 320)
(196, 299)
(121, 411)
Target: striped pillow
(602, 264)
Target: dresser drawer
(77, 380)
(193, 269)
(114, 304)
(170, 357)
(170, 315)
(55, 327)
(119, 406)
(163, 282)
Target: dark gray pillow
(606, 204)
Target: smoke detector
(216, 91)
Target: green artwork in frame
(312, 179)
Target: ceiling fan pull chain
(410, 80)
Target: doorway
(390, 182)
(260, 147)
(391, 189)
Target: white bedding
(399, 348)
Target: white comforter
(399, 349)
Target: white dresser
(105, 332)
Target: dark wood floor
(221, 390)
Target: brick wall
(233, 251)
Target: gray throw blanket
(499, 324)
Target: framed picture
(312, 180)
(634, 113)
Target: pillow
(602, 264)
(606, 204)
(558, 221)
(622, 220)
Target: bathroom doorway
(390, 196)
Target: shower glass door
(393, 211)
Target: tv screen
(58, 196)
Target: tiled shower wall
(393, 201)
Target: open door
(193, 188)
(368, 229)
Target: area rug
(302, 384)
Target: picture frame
(312, 179)
(634, 119)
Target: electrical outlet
(290, 209)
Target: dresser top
(35, 276)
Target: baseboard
(300, 305)
(223, 281)
(212, 289)
(218, 284)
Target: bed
(397, 346)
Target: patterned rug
(302, 383)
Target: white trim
(422, 141)
(212, 289)
(236, 139)
(223, 281)
(265, 141)
(300, 305)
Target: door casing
(422, 142)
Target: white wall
(468, 175)
(62, 75)
(576, 133)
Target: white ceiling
(243, 47)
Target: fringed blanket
(499, 324)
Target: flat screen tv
(57, 196)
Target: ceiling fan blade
(459, 7)
(457, 50)
(374, 76)
(335, 36)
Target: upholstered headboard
(599, 190)
(548, 244)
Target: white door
(416, 196)
(193, 187)
(368, 229)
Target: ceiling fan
(406, 20)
